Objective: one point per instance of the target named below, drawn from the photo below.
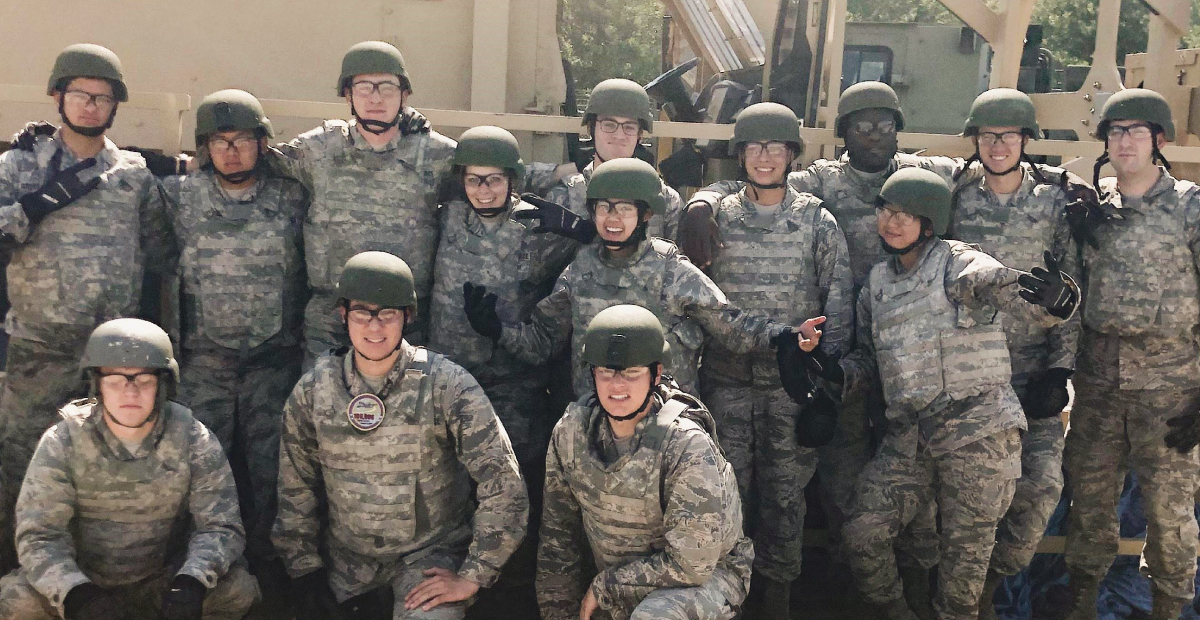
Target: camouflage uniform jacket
(1016, 234)
(656, 277)
(92, 511)
(82, 264)
(793, 267)
(512, 261)
(404, 487)
(241, 262)
(571, 192)
(941, 355)
(665, 515)
(1141, 303)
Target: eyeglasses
(141, 381)
(772, 149)
(1009, 138)
(621, 209)
(82, 98)
(385, 316)
(629, 128)
(218, 146)
(628, 374)
(365, 88)
(863, 128)
(1137, 131)
(902, 218)
(492, 181)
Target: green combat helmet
(88, 60)
(489, 146)
(378, 278)
(768, 122)
(919, 192)
(130, 343)
(866, 96)
(627, 178)
(620, 97)
(1003, 107)
(1137, 104)
(372, 57)
(231, 110)
(624, 336)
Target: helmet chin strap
(1015, 167)
(237, 178)
(90, 132)
(373, 126)
(494, 211)
(399, 344)
(638, 236)
(906, 249)
(645, 401)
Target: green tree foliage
(611, 38)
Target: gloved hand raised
(25, 139)
(555, 218)
(480, 307)
(699, 236)
(62, 187)
(412, 121)
(1050, 288)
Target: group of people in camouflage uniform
(336, 399)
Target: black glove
(184, 599)
(699, 236)
(480, 307)
(1046, 394)
(1050, 288)
(160, 165)
(412, 121)
(823, 365)
(877, 420)
(792, 372)
(25, 139)
(62, 187)
(818, 420)
(312, 598)
(374, 605)
(1086, 213)
(88, 601)
(555, 218)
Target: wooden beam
(978, 16)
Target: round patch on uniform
(365, 412)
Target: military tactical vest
(768, 270)
(390, 486)
(240, 261)
(622, 503)
(1143, 278)
(82, 264)
(597, 285)
(127, 513)
(927, 345)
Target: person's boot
(917, 593)
(895, 610)
(776, 601)
(987, 606)
(1164, 607)
(1085, 589)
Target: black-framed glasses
(1137, 131)
(492, 181)
(620, 209)
(629, 128)
(219, 146)
(772, 149)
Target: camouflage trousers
(972, 487)
(523, 409)
(1036, 497)
(351, 574)
(757, 431)
(324, 330)
(1113, 431)
(229, 599)
(42, 377)
(694, 603)
(242, 404)
(839, 464)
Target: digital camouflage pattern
(401, 491)
(1016, 234)
(77, 268)
(91, 510)
(519, 266)
(365, 199)
(662, 522)
(571, 193)
(656, 277)
(1139, 359)
(963, 417)
(791, 265)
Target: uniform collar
(745, 213)
(355, 384)
(115, 445)
(924, 253)
(108, 155)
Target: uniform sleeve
(301, 486)
(45, 508)
(546, 331)
(674, 212)
(945, 167)
(860, 366)
(540, 177)
(483, 448)
(980, 282)
(1064, 337)
(692, 518)
(692, 294)
(836, 282)
(713, 194)
(294, 159)
(157, 225)
(807, 181)
(561, 567)
(218, 537)
(14, 226)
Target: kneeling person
(388, 437)
(105, 489)
(634, 472)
